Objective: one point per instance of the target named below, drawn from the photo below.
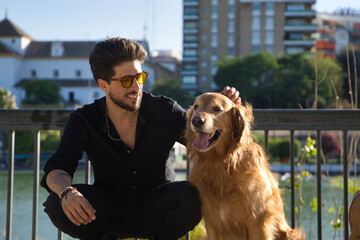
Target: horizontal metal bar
(265, 119)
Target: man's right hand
(77, 208)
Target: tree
(252, 75)
(7, 100)
(172, 89)
(42, 92)
(347, 59)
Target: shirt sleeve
(179, 119)
(69, 150)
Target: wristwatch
(66, 191)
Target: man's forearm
(58, 180)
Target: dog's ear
(242, 119)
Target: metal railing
(265, 119)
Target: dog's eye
(196, 106)
(216, 109)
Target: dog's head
(215, 122)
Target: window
(295, 22)
(190, 25)
(214, 11)
(56, 73)
(231, 2)
(294, 50)
(78, 73)
(256, 38)
(296, 36)
(295, 7)
(231, 52)
(13, 40)
(96, 94)
(214, 51)
(214, 39)
(269, 37)
(270, 8)
(204, 37)
(203, 78)
(204, 23)
(71, 97)
(214, 25)
(269, 23)
(33, 73)
(255, 49)
(203, 64)
(190, 11)
(190, 38)
(190, 67)
(256, 8)
(214, 2)
(231, 25)
(256, 23)
(189, 79)
(231, 10)
(231, 42)
(204, 9)
(270, 49)
(190, 52)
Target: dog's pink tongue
(201, 141)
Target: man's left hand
(232, 94)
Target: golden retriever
(240, 196)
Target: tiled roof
(66, 82)
(72, 49)
(6, 50)
(9, 29)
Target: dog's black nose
(198, 121)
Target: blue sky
(95, 20)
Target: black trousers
(165, 213)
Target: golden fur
(240, 196)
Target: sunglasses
(127, 81)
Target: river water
(22, 207)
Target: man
(127, 135)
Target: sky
(159, 21)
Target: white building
(66, 62)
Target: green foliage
(172, 89)
(251, 75)
(42, 92)
(283, 82)
(25, 139)
(280, 147)
(338, 182)
(7, 100)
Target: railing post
(318, 171)
(346, 198)
(10, 189)
(292, 168)
(87, 169)
(36, 166)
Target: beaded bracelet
(69, 189)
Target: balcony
(300, 42)
(190, 30)
(300, 27)
(305, 13)
(191, 17)
(189, 58)
(190, 44)
(191, 2)
(290, 120)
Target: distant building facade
(66, 62)
(215, 28)
(337, 30)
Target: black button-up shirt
(161, 122)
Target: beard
(124, 105)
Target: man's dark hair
(111, 52)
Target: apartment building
(337, 30)
(214, 28)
